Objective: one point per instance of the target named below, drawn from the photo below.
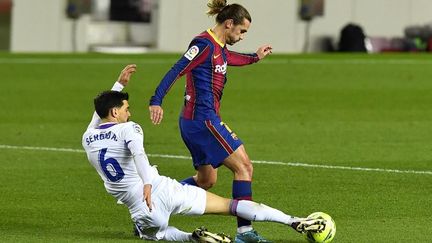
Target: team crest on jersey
(191, 53)
(137, 129)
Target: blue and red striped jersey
(205, 65)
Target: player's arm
(134, 139)
(198, 51)
(241, 59)
(121, 82)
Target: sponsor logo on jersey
(191, 53)
(221, 68)
(216, 56)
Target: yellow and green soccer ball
(327, 234)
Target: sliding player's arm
(121, 82)
(134, 139)
(196, 54)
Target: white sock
(259, 212)
(174, 234)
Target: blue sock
(189, 181)
(242, 190)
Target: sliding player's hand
(156, 114)
(147, 195)
(264, 51)
(126, 74)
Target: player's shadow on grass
(289, 241)
(108, 235)
(128, 236)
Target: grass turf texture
(347, 110)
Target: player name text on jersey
(101, 136)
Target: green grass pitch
(363, 111)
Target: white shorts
(168, 197)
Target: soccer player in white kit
(114, 146)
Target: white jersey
(117, 153)
(111, 148)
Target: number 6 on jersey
(110, 167)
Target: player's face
(123, 113)
(237, 33)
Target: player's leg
(167, 197)
(239, 163)
(154, 225)
(206, 142)
(258, 212)
(174, 234)
(170, 233)
(193, 134)
(241, 166)
(216, 204)
(189, 200)
(246, 209)
(205, 178)
(225, 147)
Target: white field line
(269, 61)
(292, 164)
(120, 60)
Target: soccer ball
(329, 231)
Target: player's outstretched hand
(264, 51)
(147, 195)
(156, 114)
(126, 73)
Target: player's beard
(232, 41)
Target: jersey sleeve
(240, 59)
(198, 51)
(134, 139)
(96, 120)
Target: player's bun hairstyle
(107, 100)
(224, 11)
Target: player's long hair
(224, 11)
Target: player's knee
(245, 169)
(147, 232)
(150, 227)
(206, 183)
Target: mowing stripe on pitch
(171, 60)
(120, 60)
(293, 164)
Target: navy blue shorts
(210, 142)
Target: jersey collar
(106, 125)
(215, 38)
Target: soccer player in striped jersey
(114, 146)
(210, 141)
